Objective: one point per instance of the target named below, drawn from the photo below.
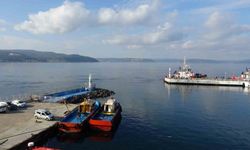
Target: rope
(3, 141)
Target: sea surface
(155, 115)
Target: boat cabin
(85, 106)
(110, 106)
(246, 75)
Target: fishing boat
(77, 120)
(107, 118)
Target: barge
(107, 118)
(186, 76)
(77, 120)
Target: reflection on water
(70, 138)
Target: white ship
(186, 76)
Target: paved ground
(17, 126)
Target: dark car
(11, 106)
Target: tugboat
(77, 120)
(107, 118)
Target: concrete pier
(20, 125)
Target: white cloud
(163, 34)
(72, 15)
(223, 6)
(127, 16)
(64, 18)
(221, 25)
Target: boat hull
(76, 122)
(212, 82)
(105, 125)
(72, 127)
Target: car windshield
(47, 113)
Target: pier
(20, 126)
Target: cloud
(221, 25)
(165, 33)
(72, 15)
(226, 6)
(127, 16)
(64, 18)
(12, 42)
(2, 25)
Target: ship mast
(90, 82)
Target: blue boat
(66, 95)
(77, 120)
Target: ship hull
(75, 121)
(210, 82)
(99, 124)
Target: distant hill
(38, 56)
(170, 60)
(124, 60)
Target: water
(155, 115)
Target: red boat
(107, 118)
(77, 120)
(44, 148)
(32, 147)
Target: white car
(19, 103)
(3, 106)
(43, 114)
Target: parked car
(19, 103)
(3, 106)
(11, 106)
(43, 114)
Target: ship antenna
(90, 82)
(169, 72)
(184, 61)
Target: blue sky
(129, 28)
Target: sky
(206, 29)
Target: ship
(66, 95)
(184, 75)
(108, 117)
(77, 120)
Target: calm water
(155, 115)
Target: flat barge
(185, 76)
(210, 82)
